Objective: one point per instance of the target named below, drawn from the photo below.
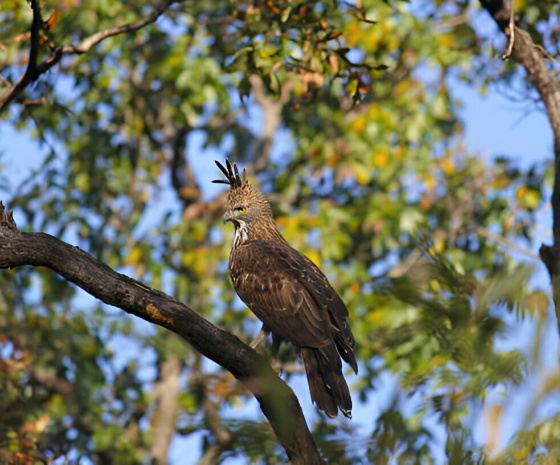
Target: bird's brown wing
(287, 292)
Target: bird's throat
(240, 235)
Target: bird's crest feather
(234, 179)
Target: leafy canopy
(345, 115)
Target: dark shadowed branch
(33, 70)
(277, 401)
(529, 55)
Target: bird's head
(245, 205)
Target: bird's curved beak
(227, 217)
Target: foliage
(368, 176)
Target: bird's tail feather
(327, 385)
(346, 353)
(345, 343)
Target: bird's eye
(240, 209)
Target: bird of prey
(288, 293)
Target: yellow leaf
(333, 160)
(438, 245)
(376, 316)
(285, 221)
(362, 175)
(430, 182)
(435, 285)
(448, 166)
(313, 222)
(82, 182)
(501, 182)
(353, 33)
(222, 389)
(521, 455)
(314, 256)
(359, 124)
(537, 303)
(352, 86)
(133, 257)
(386, 25)
(380, 159)
(138, 125)
(402, 87)
(532, 199)
(56, 399)
(521, 192)
(446, 40)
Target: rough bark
(276, 399)
(547, 85)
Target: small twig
(502, 240)
(287, 367)
(451, 21)
(94, 39)
(546, 54)
(404, 266)
(259, 338)
(511, 37)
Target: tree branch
(272, 109)
(30, 73)
(163, 421)
(510, 32)
(547, 85)
(502, 240)
(276, 399)
(33, 71)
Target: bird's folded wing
(287, 292)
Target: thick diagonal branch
(277, 401)
(33, 70)
(548, 86)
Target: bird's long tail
(327, 385)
